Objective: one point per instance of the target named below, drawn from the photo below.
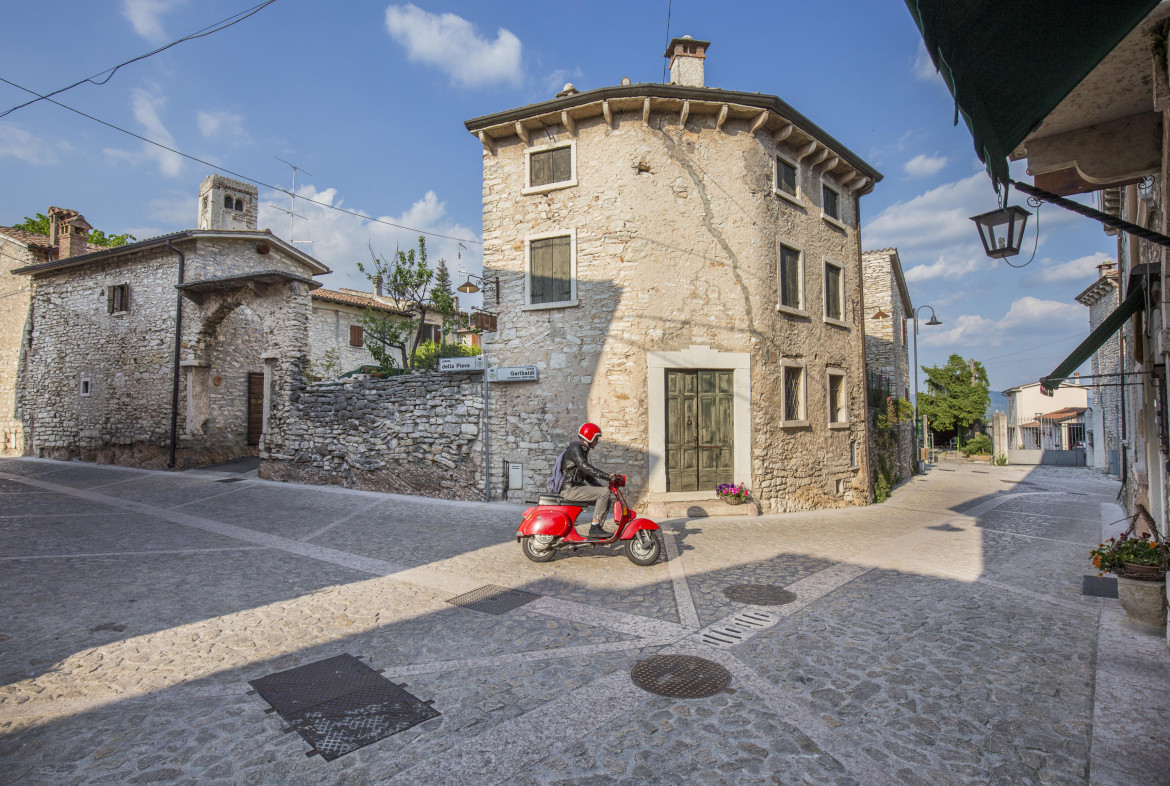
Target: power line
(223, 24)
(668, 4)
(239, 175)
(1038, 346)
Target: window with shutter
(786, 179)
(355, 336)
(834, 292)
(551, 168)
(118, 298)
(550, 270)
(791, 290)
(830, 204)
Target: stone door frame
(696, 357)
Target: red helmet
(589, 432)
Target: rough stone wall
(127, 358)
(329, 329)
(1107, 360)
(887, 348)
(15, 297)
(411, 434)
(677, 233)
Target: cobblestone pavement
(939, 638)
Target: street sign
(461, 364)
(512, 374)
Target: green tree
(411, 283)
(957, 394)
(40, 225)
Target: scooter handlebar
(619, 480)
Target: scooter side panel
(556, 521)
(630, 529)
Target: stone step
(699, 508)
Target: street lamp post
(934, 320)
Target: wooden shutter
(562, 164)
(789, 277)
(109, 300)
(539, 169)
(355, 335)
(833, 292)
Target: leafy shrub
(1001, 459)
(426, 357)
(980, 443)
(1112, 555)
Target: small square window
(791, 291)
(432, 333)
(118, 298)
(793, 400)
(830, 204)
(834, 292)
(356, 336)
(838, 409)
(787, 180)
(552, 167)
(84, 387)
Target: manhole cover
(340, 704)
(680, 676)
(492, 599)
(759, 594)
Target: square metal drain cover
(1099, 586)
(493, 599)
(228, 480)
(340, 704)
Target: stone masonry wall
(411, 434)
(1107, 360)
(15, 296)
(676, 244)
(329, 329)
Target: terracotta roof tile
(352, 300)
(37, 240)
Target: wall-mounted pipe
(178, 353)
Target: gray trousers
(598, 496)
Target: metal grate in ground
(680, 676)
(738, 629)
(1099, 586)
(228, 480)
(759, 594)
(493, 599)
(340, 704)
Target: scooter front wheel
(538, 548)
(644, 548)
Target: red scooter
(549, 527)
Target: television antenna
(292, 209)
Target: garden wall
(411, 434)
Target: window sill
(543, 306)
(796, 312)
(794, 424)
(840, 425)
(530, 190)
(795, 200)
(836, 323)
(119, 313)
(834, 222)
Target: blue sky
(370, 97)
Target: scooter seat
(551, 499)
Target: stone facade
(674, 222)
(334, 318)
(17, 249)
(1102, 297)
(887, 350)
(411, 434)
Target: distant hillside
(998, 403)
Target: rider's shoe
(596, 531)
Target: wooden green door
(700, 438)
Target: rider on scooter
(583, 481)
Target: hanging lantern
(1002, 230)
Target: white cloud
(1082, 267)
(923, 69)
(218, 125)
(556, 80)
(341, 240)
(144, 16)
(17, 143)
(936, 220)
(451, 44)
(146, 109)
(1026, 319)
(923, 165)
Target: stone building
(336, 326)
(20, 248)
(99, 374)
(1102, 298)
(682, 265)
(887, 350)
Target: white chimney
(686, 61)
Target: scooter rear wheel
(533, 551)
(644, 548)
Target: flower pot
(1144, 603)
(733, 500)
(1131, 570)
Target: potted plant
(732, 493)
(1140, 564)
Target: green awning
(1134, 302)
(1010, 63)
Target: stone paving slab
(37, 502)
(938, 638)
